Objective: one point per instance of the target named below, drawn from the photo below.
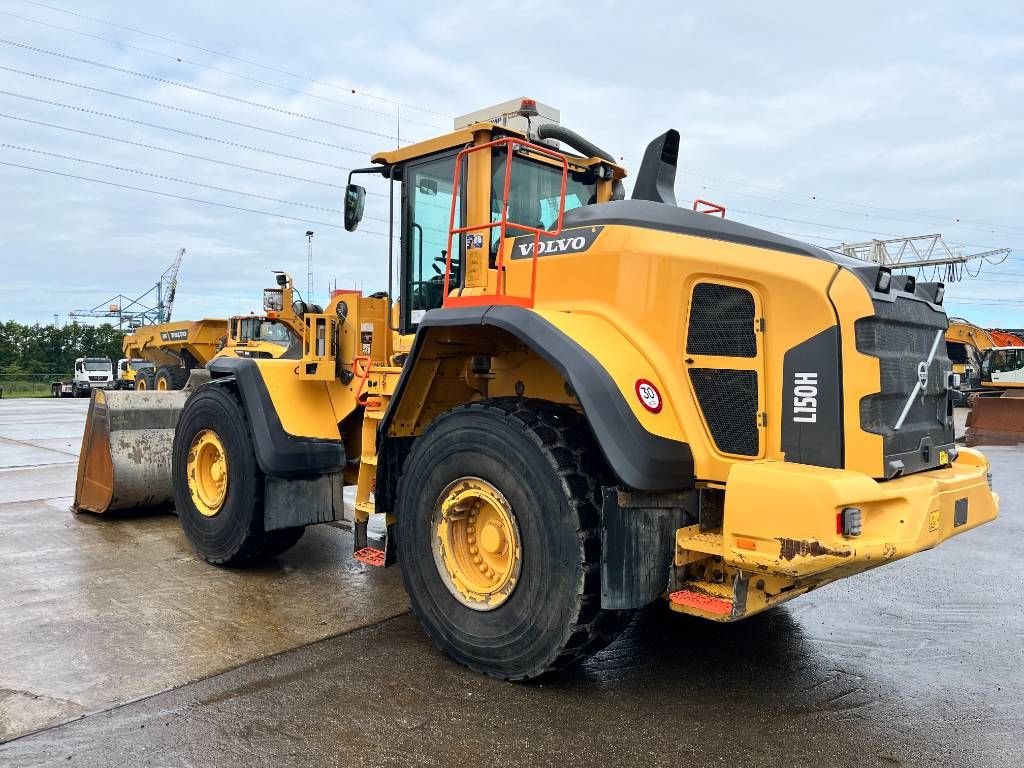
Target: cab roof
(465, 136)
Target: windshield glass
(1002, 361)
(98, 365)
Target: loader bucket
(125, 461)
(996, 421)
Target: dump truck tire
(145, 380)
(170, 377)
(229, 532)
(533, 462)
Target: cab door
(724, 362)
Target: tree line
(35, 349)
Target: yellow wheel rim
(207, 473)
(140, 383)
(161, 384)
(475, 540)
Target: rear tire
(170, 377)
(145, 380)
(234, 535)
(543, 461)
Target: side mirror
(355, 201)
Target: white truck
(90, 373)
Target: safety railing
(500, 295)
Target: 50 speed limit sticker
(649, 396)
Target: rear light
(849, 522)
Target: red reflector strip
(716, 605)
(370, 556)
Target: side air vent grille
(721, 322)
(728, 399)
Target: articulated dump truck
(575, 404)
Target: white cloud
(913, 109)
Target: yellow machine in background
(582, 404)
(173, 350)
(966, 344)
(128, 370)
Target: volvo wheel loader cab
(605, 402)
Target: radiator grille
(728, 399)
(721, 322)
(901, 335)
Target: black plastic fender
(278, 453)
(639, 459)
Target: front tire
(539, 462)
(218, 487)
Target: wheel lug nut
(478, 559)
(473, 550)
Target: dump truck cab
(573, 404)
(129, 370)
(92, 373)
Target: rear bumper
(782, 518)
(781, 537)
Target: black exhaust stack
(656, 178)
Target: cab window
(535, 190)
(428, 199)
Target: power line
(197, 89)
(985, 228)
(838, 226)
(943, 219)
(189, 155)
(182, 110)
(200, 65)
(175, 152)
(190, 134)
(186, 198)
(234, 58)
(162, 177)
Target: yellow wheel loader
(581, 404)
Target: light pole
(309, 266)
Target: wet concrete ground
(919, 663)
(96, 611)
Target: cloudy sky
(831, 124)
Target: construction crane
(920, 252)
(141, 310)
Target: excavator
(569, 405)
